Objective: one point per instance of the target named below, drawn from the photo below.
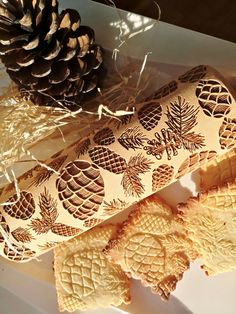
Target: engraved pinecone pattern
(107, 159)
(164, 91)
(195, 161)
(90, 223)
(5, 227)
(214, 98)
(104, 137)
(81, 189)
(227, 133)
(20, 254)
(149, 115)
(64, 230)
(46, 52)
(162, 176)
(23, 208)
(193, 75)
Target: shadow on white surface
(10, 303)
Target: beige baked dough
(153, 246)
(210, 220)
(85, 278)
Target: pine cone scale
(41, 69)
(34, 35)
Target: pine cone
(104, 137)
(81, 189)
(149, 115)
(193, 75)
(49, 55)
(214, 98)
(161, 176)
(227, 133)
(5, 227)
(195, 161)
(107, 159)
(24, 208)
(64, 230)
(20, 254)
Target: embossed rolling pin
(176, 130)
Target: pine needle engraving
(132, 138)
(115, 206)
(49, 215)
(22, 235)
(181, 119)
(81, 148)
(44, 174)
(131, 181)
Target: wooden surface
(213, 17)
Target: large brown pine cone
(49, 55)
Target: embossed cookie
(153, 246)
(219, 171)
(210, 220)
(84, 277)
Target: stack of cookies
(155, 244)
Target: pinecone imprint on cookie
(193, 75)
(195, 161)
(149, 115)
(161, 176)
(227, 133)
(164, 91)
(19, 254)
(104, 137)
(143, 249)
(24, 208)
(107, 159)
(47, 53)
(214, 98)
(81, 188)
(5, 227)
(64, 230)
(85, 272)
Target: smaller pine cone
(214, 98)
(195, 161)
(193, 75)
(107, 159)
(5, 227)
(104, 137)
(64, 230)
(228, 133)
(164, 91)
(149, 115)
(19, 254)
(24, 208)
(162, 176)
(90, 223)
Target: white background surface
(174, 48)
